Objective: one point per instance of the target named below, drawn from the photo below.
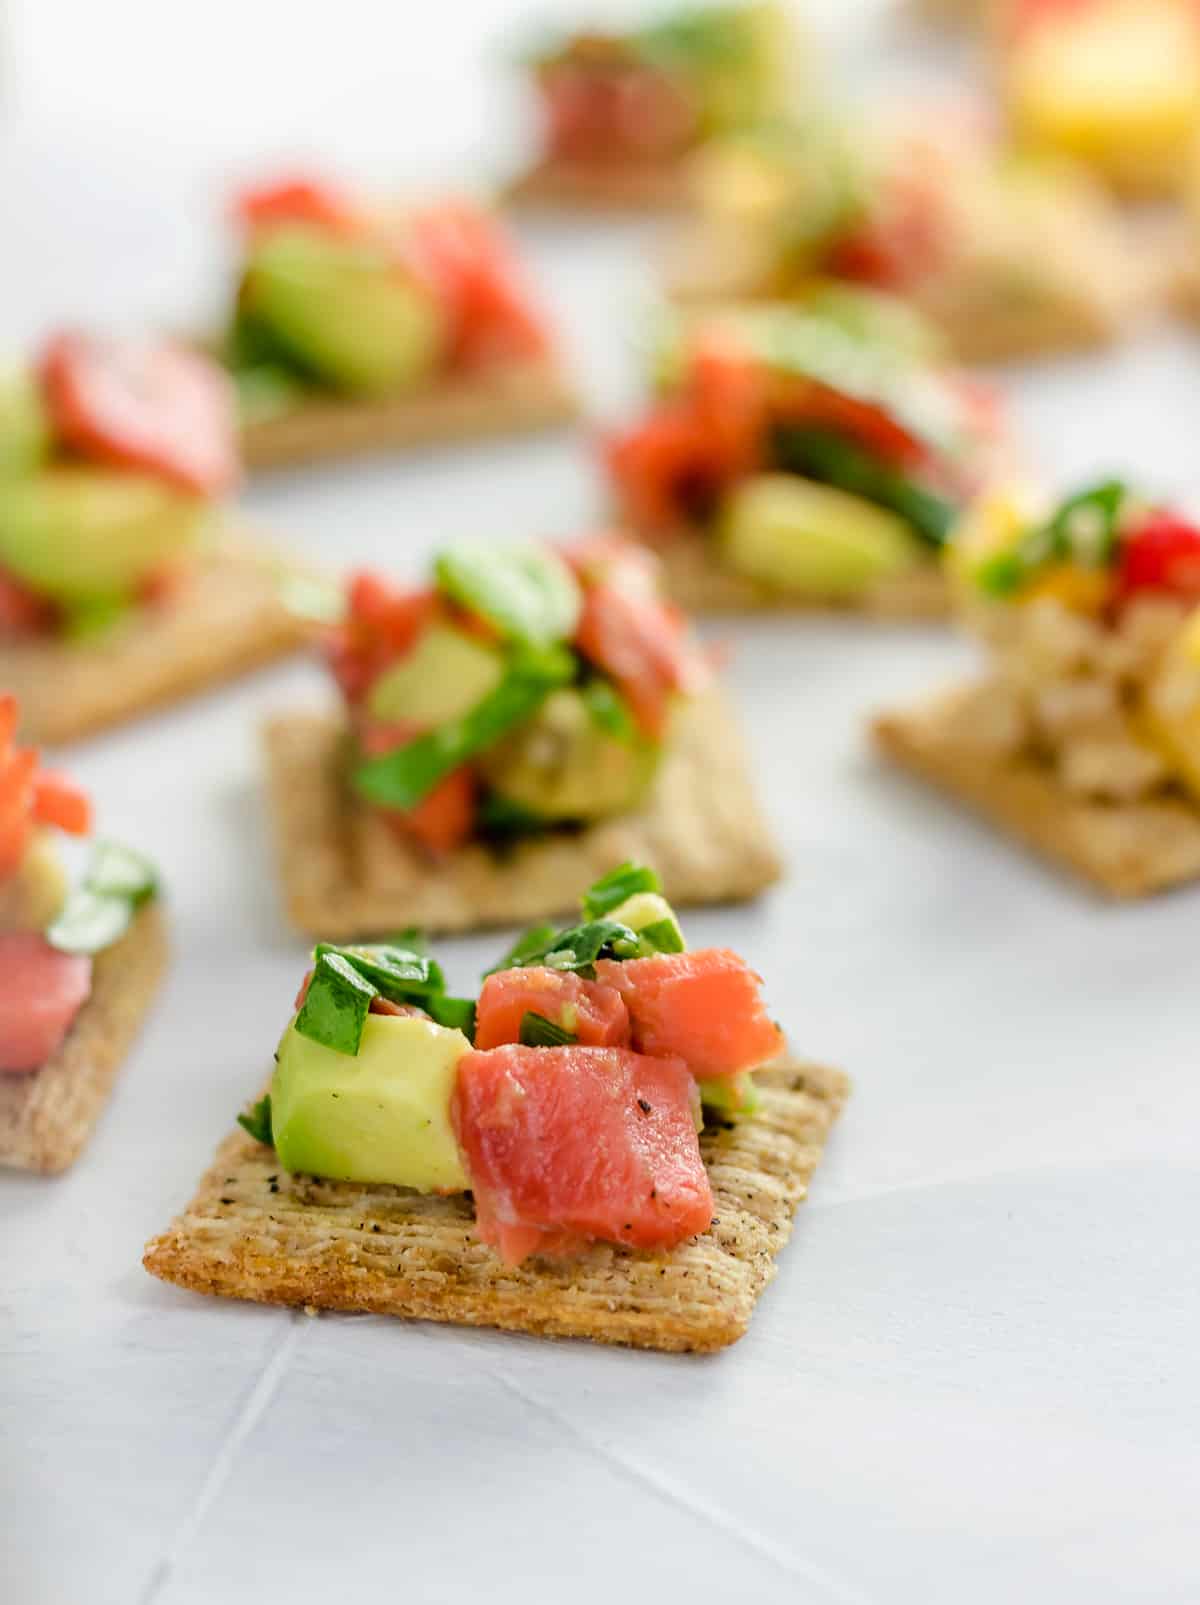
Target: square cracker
(1102, 278)
(1125, 849)
(231, 618)
(47, 1116)
(603, 187)
(693, 578)
(254, 1232)
(346, 875)
(507, 400)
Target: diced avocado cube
(444, 676)
(380, 1116)
(654, 919)
(345, 310)
(75, 534)
(731, 1097)
(24, 426)
(561, 765)
(812, 540)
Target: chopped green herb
(336, 1006)
(663, 936)
(826, 456)
(538, 1032)
(608, 709)
(528, 947)
(400, 779)
(456, 1014)
(396, 973)
(1084, 529)
(615, 888)
(527, 591)
(257, 1120)
(579, 947)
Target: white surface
(974, 1378)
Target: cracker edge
(271, 634)
(554, 187)
(800, 1104)
(513, 401)
(47, 1116)
(1026, 802)
(315, 844)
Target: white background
(975, 1377)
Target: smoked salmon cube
(704, 1006)
(569, 1145)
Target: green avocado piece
(24, 425)
(343, 310)
(82, 535)
(401, 778)
(562, 765)
(381, 1115)
(812, 540)
(653, 918)
(444, 676)
(731, 1097)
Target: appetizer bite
(77, 968)
(360, 328)
(608, 1143)
(528, 716)
(815, 457)
(120, 587)
(1084, 737)
(1113, 83)
(1007, 258)
(621, 113)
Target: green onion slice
(336, 1005)
(615, 888)
(538, 1032)
(257, 1120)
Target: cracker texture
(230, 618)
(47, 1116)
(254, 1232)
(603, 187)
(693, 577)
(1105, 282)
(1127, 850)
(506, 400)
(345, 874)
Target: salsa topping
(650, 95)
(1131, 546)
(567, 1100)
(337, 295)
(779, 390)
(526, 688)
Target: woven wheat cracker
(254, 1232)
(345, 874)
(229, 618)
(593, 187)
(1126, 849)
(47, 1116)
(500, 401)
